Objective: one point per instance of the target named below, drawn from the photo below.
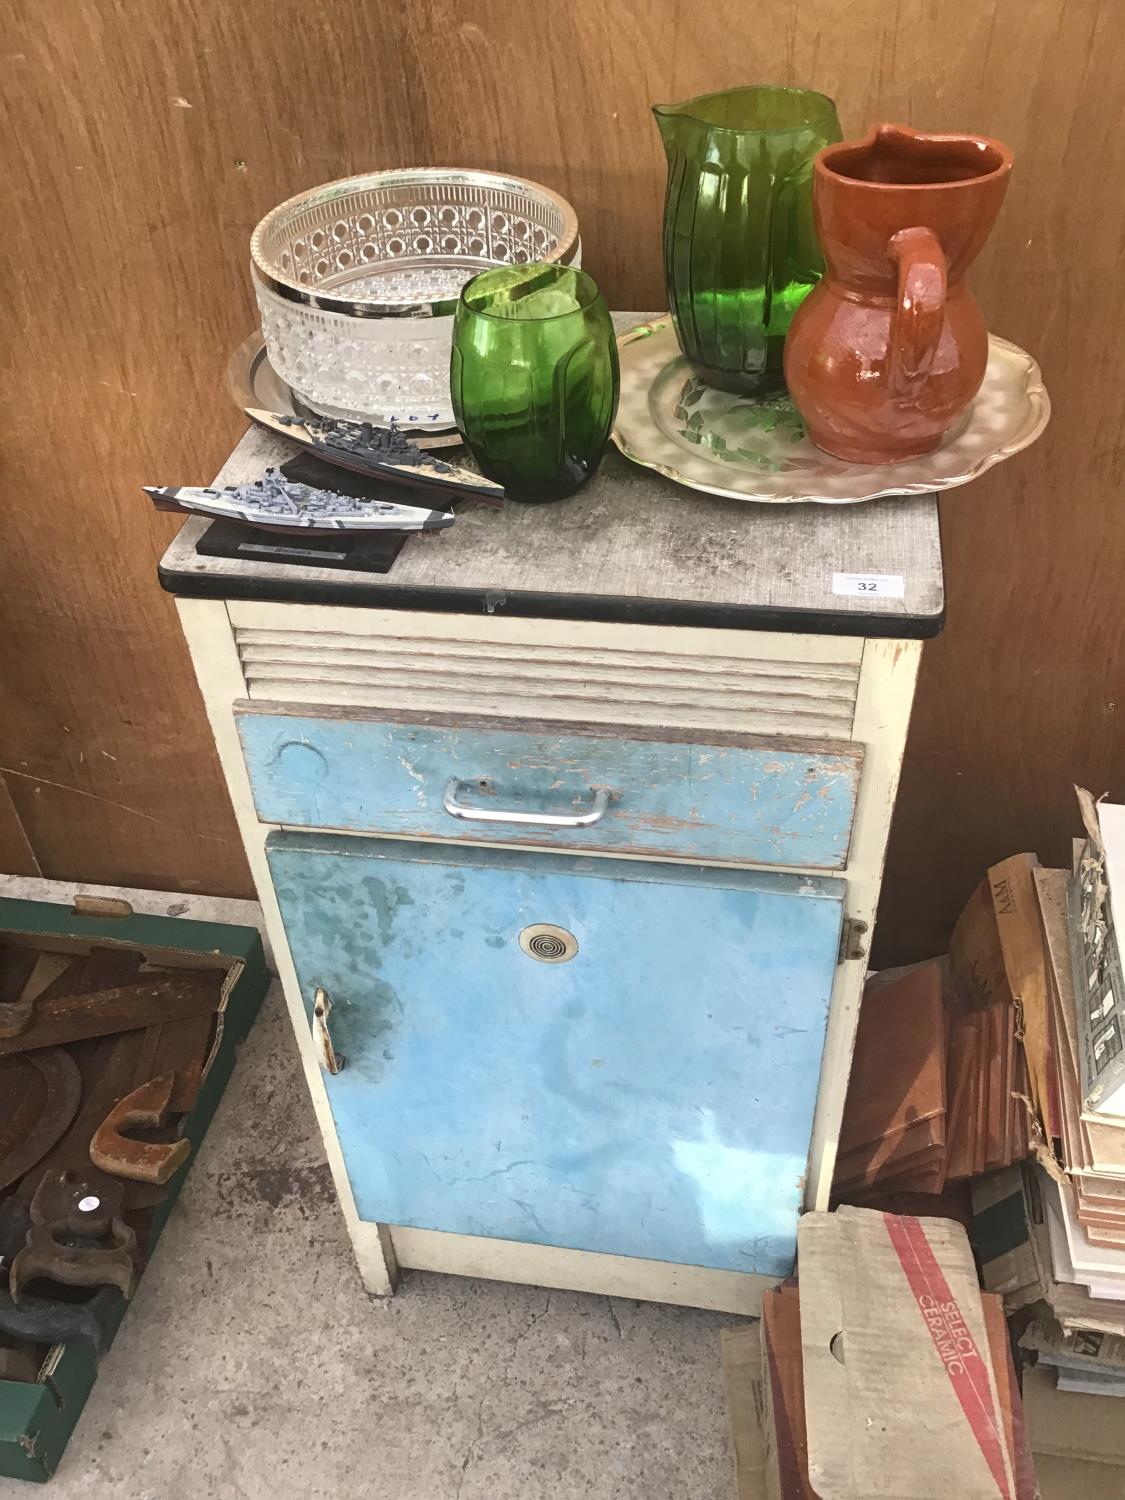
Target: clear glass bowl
(357, 281)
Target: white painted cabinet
(571, 828)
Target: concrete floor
(252, 1365)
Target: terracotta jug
(890, 348)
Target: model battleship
(274, 503)
(383, 452)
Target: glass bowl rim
(335, 299)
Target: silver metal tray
(253, 381)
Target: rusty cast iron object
(42, 1320)
(151, 998)
(26, 1141)
(77, 1237)
(15, 1016)
(15, 1221)
(139, 1161)
(24, 978)
(16, 990)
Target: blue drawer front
(742, 802)
(651, 1097)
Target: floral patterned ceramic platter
(755, 448)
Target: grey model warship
(381, 452)
(274, 503)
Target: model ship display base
(355, 552)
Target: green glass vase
(534, 377)
(740, 247)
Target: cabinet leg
(375, 1256)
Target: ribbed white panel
(757, 694)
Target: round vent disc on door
(548, 943)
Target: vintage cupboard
(568, 832)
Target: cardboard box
(36, 1420)
(901, 1399)
(1068, 1425)
(1010, 1261)
(1071, 1479)
(742, 1371)
(1011, 1403)
(787, 1467)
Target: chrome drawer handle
(457, 809)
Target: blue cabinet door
(652, 1095)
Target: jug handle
(919, 314)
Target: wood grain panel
(147, 140)
(17, 857)
(1021, 695)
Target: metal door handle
(330, 1060)
(457, 809)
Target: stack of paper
(1073, 1254)
(1055, 1233)
(1085, 1360)
(894, 1129)
(1011, 1234)
(966, 1065)
(1091, 1141)
(951, 1070)
(1097, 917)
(996, 962)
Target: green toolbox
(118, 1033)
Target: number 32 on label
(869, 585)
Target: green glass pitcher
(740, 247)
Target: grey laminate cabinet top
(631, 546)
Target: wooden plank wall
(145, 139)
